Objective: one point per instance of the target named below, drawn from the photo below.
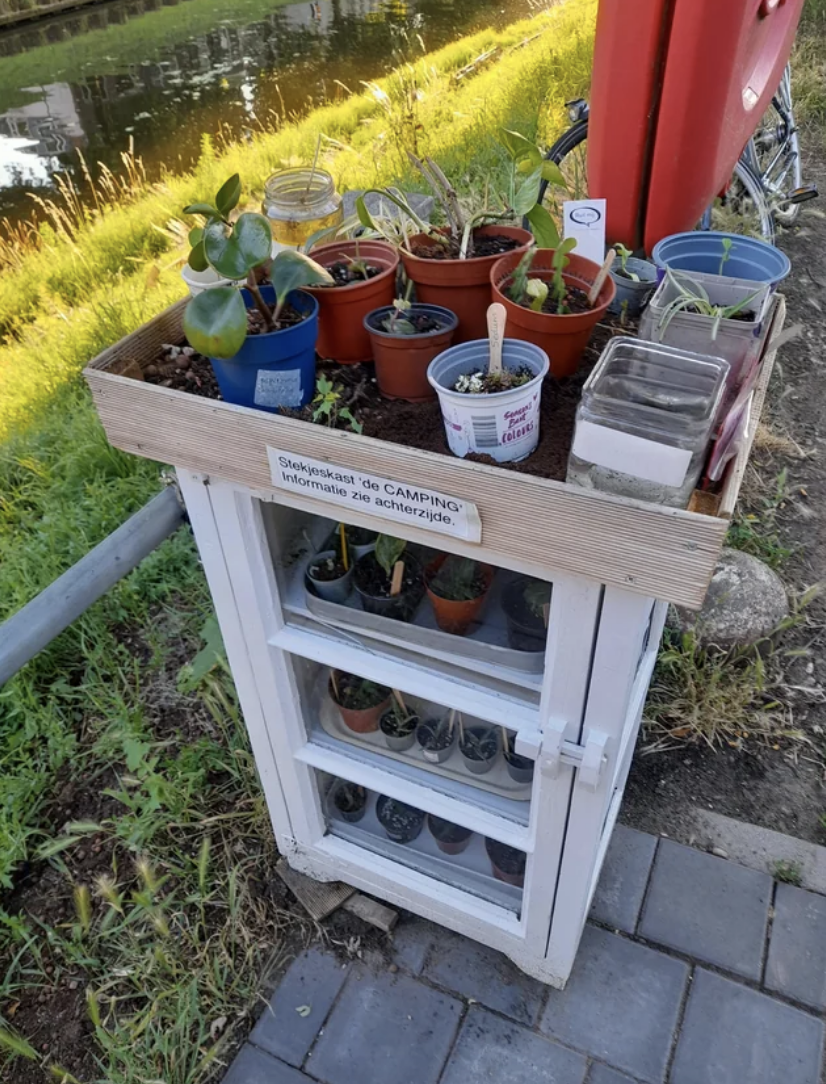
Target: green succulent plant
(215, 321)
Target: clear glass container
(298, 203)
(645, 421)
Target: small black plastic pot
(399, 607)
(479, 747)
(401, 822)
(520, 768)
(526, 630)
(399, 736)
(507, 864)
(450, 838)
(436, 740)
(349, 801)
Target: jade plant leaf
(215, 322)
(290, 270)
(543, 226)
(201, 209)
(196, 235)
(236, 251)
(228, 195)
(197, 257)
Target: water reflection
(135, 67)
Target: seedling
(328, 409)
(457, 579)
(388, 553)
(356, 693)
(394, 323)
(693, 297)
(215, 322)
(523, 287)
(624, 254)
(727, 243)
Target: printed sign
(584, 219)
(278, 388)
(630, 454)
(375, 495)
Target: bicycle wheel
(743, 209)
(773, 153)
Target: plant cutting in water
(328, 409)
(693, 299)
(216, 321)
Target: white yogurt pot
(503, 425)
(198, 281)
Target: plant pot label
(278, 388)
(629, 454)
(584, 220)
(375, 496)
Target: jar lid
(655, 389)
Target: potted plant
(527, 603)
(389, 582)
(401, 822)
(708, 314)
(490, 409)
(360, 701)
(330, 575)
(405, 338)
(348, 800)
(546, 293)
(479, 746)
(634, 280)
(436, 738)
(714, 253)
(260, 339)
(451, 265)
(362, 278)
(507, 863)
(450, 838)
(457, 588)
(520, 768)
(398, 724)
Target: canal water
(164, 72)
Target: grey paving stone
(473, 970)
(708, 908)
(620, 1005)
(255, 1067)
(604, 1074)
(388, 1028)
(796, 965)
(619, 894)
(411, 940)
(734, 1035)
(314, 979)
(490, 1048)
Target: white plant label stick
(593, 293)
(497, 315)
(396, 582)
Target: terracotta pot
(363, 721)
(452, 616)
(402, 360)
(463, 286)
(563, 338)
(342, 335)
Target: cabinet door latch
(550, 749)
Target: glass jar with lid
(298, 203)
(645, 421)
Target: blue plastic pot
(702, 250)
(276, 369)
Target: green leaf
(543, 226)
(228, 195)
(388, 551)
(215, 322)
(519, 148)
(527, 193)
(196, 235)
(235, 252)
(364, 216)
(291, 270)
(17, 1045)
(55, 846)
(197, 258)
(552, 173)
(202, 209)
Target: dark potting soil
(358, 693)
(494, 244)
(288, 317)
(576, 301)
(479, 743)
(327, 570)
(446, 831)
(397, 725)
(183, 369)
(422, 323)
(397, 818)
(433, 735)
(345, 273)
(506, 858)
(371, 578)
(350, 797)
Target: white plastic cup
(198, 281)
(503, 425)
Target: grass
(789, 873)
(758, 531)
(172, 934)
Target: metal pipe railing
(53, 610)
